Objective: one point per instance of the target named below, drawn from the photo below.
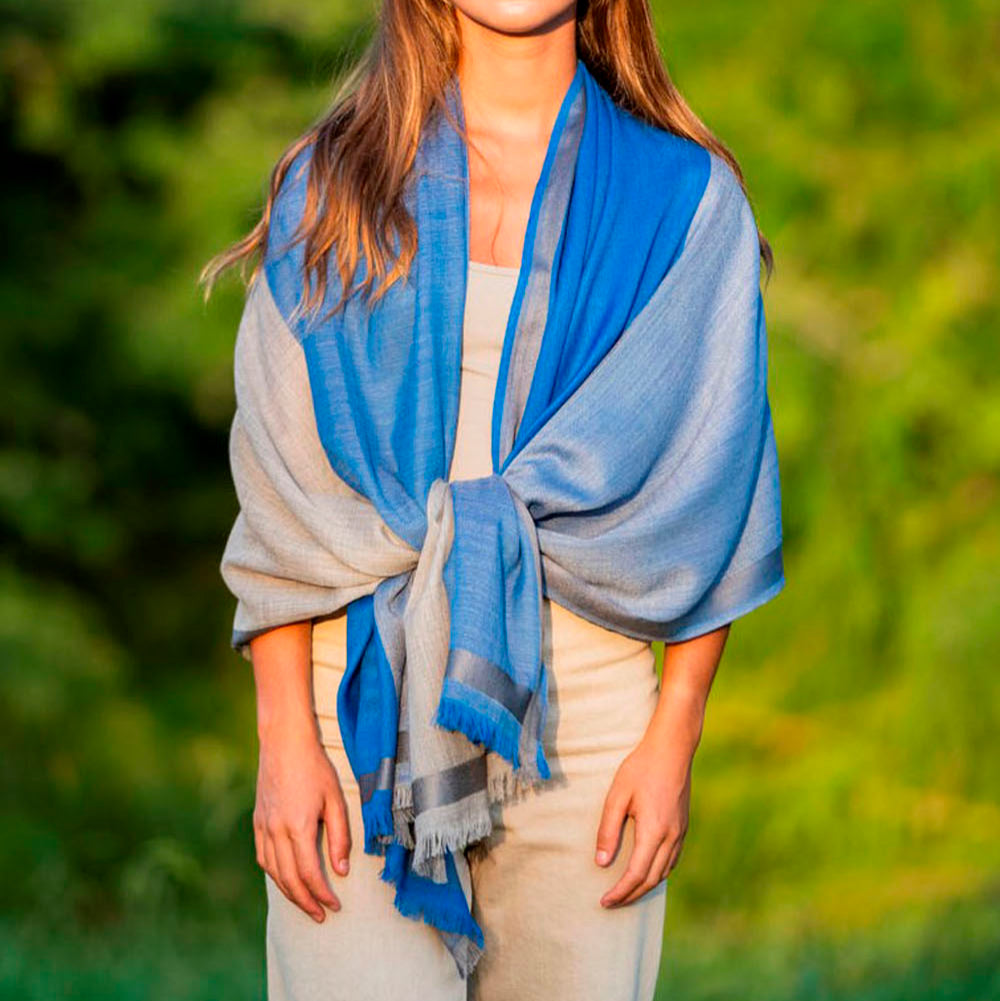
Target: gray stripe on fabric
(488, 678)
(741, 592)
(370, 782)
(734, 592)
(535, 304)
(450, 785)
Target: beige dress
(537, 890)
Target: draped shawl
(635, 476)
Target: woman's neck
(513, 81)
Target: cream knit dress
(537, 890)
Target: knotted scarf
(635, 476)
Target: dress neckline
(494, 269)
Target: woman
(533, 439)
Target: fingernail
(344, 865)
(602, 857)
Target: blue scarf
(635, 477)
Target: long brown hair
(365, 145)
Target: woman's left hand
(653, 783)
(653, 786)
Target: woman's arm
(653, 783)
(297, 784)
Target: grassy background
(845, 836)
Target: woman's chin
(516, 17)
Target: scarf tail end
(541, 762)
(474, 716)
(377, 818)
(441, 905)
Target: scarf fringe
(387, 824)
(402, 798)
(466, 955)
(451, 838)
(505, 785)
(379, 826)
(492, 734)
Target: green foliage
(845, 834)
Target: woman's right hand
(297, 787)
(297, 784)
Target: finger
(271, 862)
(609, 831)
(258, 845)
(296, 890)
(307, 860)
(675, 856)
(338, 831)
(657, 870)
(646, 844)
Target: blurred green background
(845, 833)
